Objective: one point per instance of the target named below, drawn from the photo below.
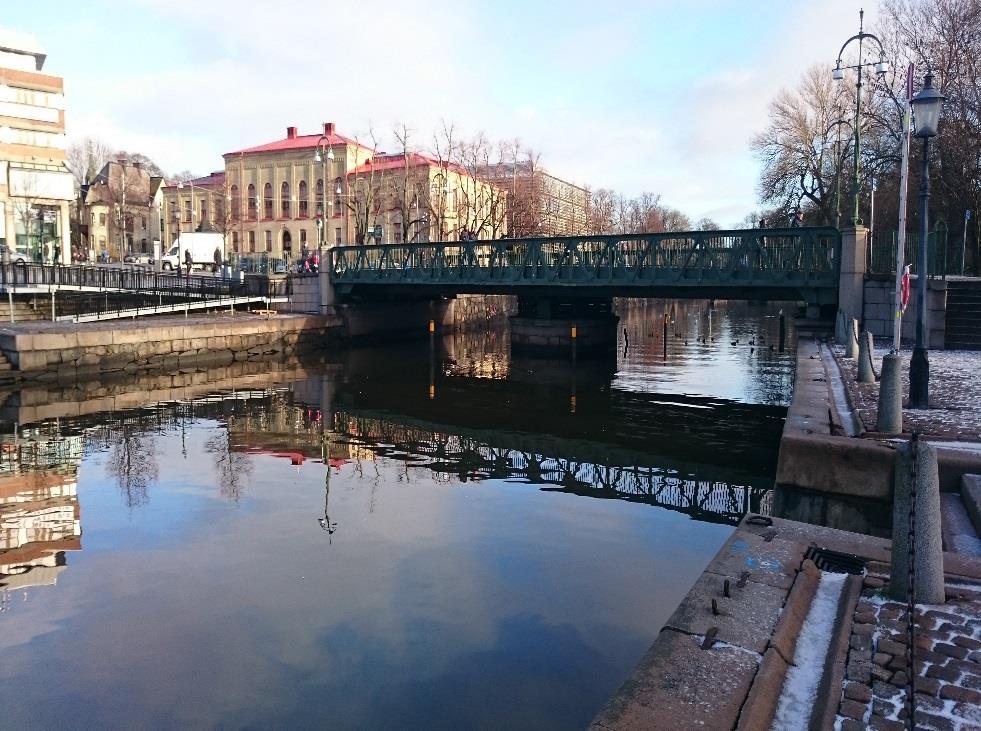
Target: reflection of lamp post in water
(325, 522)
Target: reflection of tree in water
(234, 469)
(132, 462)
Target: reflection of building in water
(39, 509)
(283, 428)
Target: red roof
(394, 162)
(294, 141)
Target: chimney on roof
(137, 164)
(328, 128)
(291, 133)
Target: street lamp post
(324, 153)
(881, 67)
(926, 118)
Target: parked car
(138, 259)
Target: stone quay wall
(879, 306)
(167, 343)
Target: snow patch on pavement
(800, 687)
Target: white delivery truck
(202, 247)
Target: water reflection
(406, 536)
(39, 508)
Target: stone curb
(832, 679)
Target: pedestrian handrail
(791, 256)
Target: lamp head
(837, 74)
(330, 154)
(882, 67)
(927, 105)
(316, 156)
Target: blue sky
(659, 96)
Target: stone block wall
(163, 343)
(878, 310)
(304, 298)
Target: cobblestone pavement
(947, 659)
(955, 393)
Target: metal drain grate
(835, 561)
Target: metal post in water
(53, 305)
(664, 336)
(10, 302)
(783, 331)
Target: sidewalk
(955, 394)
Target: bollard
(865, 372)
(851, 340)
(928, 546)
(890, 412)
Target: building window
(220, 211)
(284, 200)
(188, 212)
(267, 201)
(251, 204)
(102, 219)
(143, 222)
(235, 203)
(203, 205)
(337, 235)
(251, 242)
(320, 197)
(269, 241)
(398, 234)
(235, 241)
(304, 193)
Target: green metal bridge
(792, 263)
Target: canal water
(432, 534)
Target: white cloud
(578, 91)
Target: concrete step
(959, 534)
(971, 495)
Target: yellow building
(35, 187)
(540, 204)
(303, 192)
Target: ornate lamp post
(324, 153)
(926, 118)
(881, 67)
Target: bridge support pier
(554, 325)
(851, 277)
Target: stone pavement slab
(678, 685)
(746, 619)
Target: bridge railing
(792, 256)
(138, 281)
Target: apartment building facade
(540, 204)
(36, 189)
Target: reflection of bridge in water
(698, 491)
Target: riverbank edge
(85, 351)
(816, 452)
(735, 680)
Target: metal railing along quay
(101, 292)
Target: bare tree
(408, 190)
(706, 224)
(233, 468)
(444, 150)
(799, 164)
(132, 462)
(85, 158)
(482, 205)
(363, 197)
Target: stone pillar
(851, 341)
(865, 372)
(851, 278)
(890, 411)
(928, 556)
(327, 295)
